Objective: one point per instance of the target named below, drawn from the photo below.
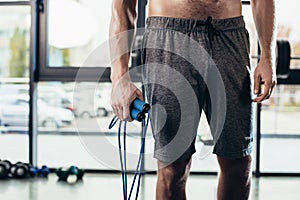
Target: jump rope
(138, 111)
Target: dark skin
(234, 177)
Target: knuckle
(126, 112)
(118, 105)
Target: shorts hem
(235, 155)
(171, 159)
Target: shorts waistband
(183, 24)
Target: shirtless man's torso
(195, 9)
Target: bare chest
(195, 8)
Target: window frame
(68, 73)
(15, 3)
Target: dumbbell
(64, 173)
(44, 171)
(20, 170)
(138, 109)
(5, 166)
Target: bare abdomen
(195, 9)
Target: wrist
(116, 76)
(118, 69)
(268, 57)
(268, 53)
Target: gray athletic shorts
(194, 65)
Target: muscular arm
(123, 90)
(264, 14)
(122, 20)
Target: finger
(115, 110)
(129, 119)
(120, 113)
(261, 98)
(139, 95)
(271, 90)
(257, 82)
(126, 113)
(273, 86)
(265, 94)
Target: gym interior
(55, 108)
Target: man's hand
(122, 95)
(264, 15)
(264, 80)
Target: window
(288, 27)
(73, 126)
(75, 43)
(14, 70)
(75, 29)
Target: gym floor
(108, 186)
